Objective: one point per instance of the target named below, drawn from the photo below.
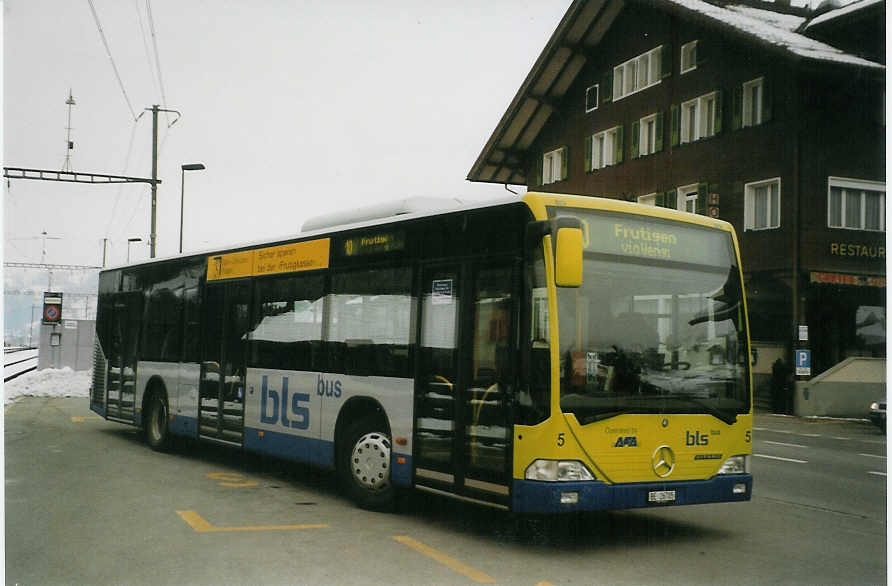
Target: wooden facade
(822, 118)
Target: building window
(687, 198)
(752, 102)
(856, 204)
(647, 135)
(605, 149)
(648, 200)
(637, 74)
(554, 166)
(689, 57)
(762, 205)
(700, 117)
(592, 97)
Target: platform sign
(803, 362)
(52, 308)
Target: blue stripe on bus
(529, 496)
(185, 426)
(314, 451)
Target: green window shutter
(702, 196)
(718, 112)
(700, 53)
(665, 61)
(539, 164)
(675, 113)
(658, 132)
(607, 87)
(565, 155)
(588, 153)
(661, 199)
(618, 146)
(737, 108)
(636, 133)
(767, 99)
(672, 199)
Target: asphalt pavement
(88, 503)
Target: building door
(465, 380)
(224, 352)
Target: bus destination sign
(631, 237)
(374, 243)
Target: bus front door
(222, 379)
(465, 380)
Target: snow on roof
(772, 28)
(838, 12)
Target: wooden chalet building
(763, 114)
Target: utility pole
(69, 146)
(104, 250)
(153, 237)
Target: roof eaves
(551, 46)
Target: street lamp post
(183, 169)
(129, 242)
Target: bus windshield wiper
(725, 416)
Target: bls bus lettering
(697, 439)
(328, 388)
(268, 395)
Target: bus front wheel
(157, 435)
(364, 465)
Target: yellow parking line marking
(451, 563)
(81, 419)
(231, 480)
(200, 525)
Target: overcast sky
(295, 107)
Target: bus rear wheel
(364, 465)
(157, 435)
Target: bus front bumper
(530, 496)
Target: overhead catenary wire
(157, 59)
(111, 59)
(111, 218)
(145, 46)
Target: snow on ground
(49, 382)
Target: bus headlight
(736, 465)
(558, 471)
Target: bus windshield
(657, 325)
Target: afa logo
(629, 441)
(275, 408)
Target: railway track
(17, 362)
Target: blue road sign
(803, 362)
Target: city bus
(540, 354)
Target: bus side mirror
(568, 257)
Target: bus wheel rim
(370, 461)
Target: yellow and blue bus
(546, 353)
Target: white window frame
(597, 90)
(752, 113)
(648, 200)
(647, 137)
(637, 74)
(749, 209)
(604, 141)
(687, 194)
(552, 162)
(856, 185)
(704, 119)
(689, 50)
